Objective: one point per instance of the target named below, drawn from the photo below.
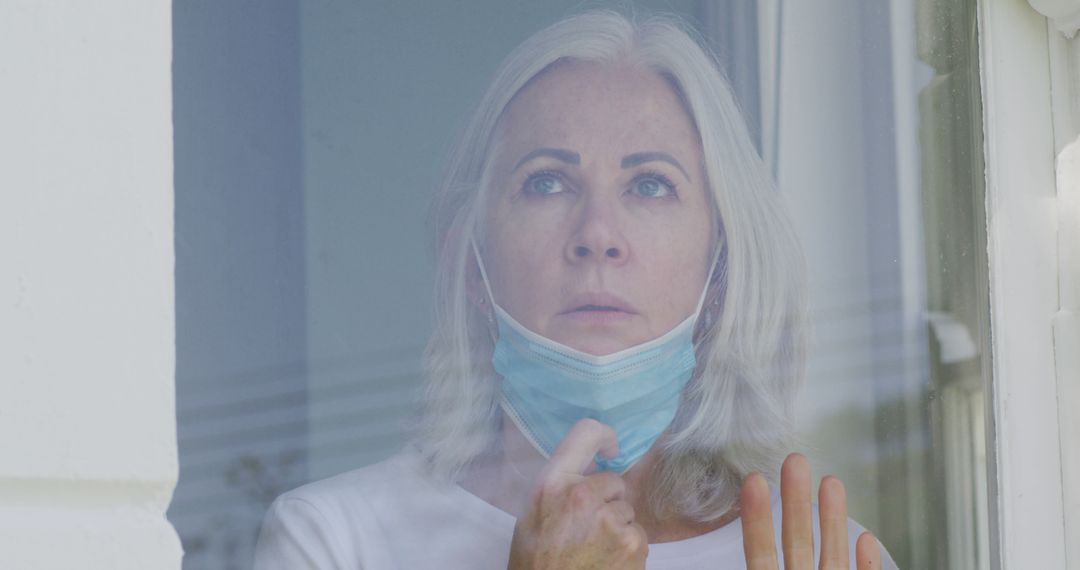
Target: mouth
(598, 307)
(597, 315)
(606, 308)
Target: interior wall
(240, 282)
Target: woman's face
(598, 225)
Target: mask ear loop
(708, 320)
(708, 278)
(492, 328)
(487, 286)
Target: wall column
(87, 419)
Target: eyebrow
(562, 154)
(637, 158)
(628, 161)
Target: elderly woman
(618, 344)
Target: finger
(759, 538)
(867, 552)
(635, 541)
(797, 523)
(578, 449)
(619, 512)
(832, 509)
(607, 486)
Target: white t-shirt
(389, 516)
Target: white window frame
(1029, 98)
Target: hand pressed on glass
(797, 524)
(579, 518)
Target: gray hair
(737, 412)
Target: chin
(596, 345)
(598, 334)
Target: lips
(598, 301)
(596, 308)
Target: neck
(506, 481)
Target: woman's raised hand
(797, 524)
(578, 520)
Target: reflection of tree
(227, 540)
(921, 466)
(878, 466)
(262, 480)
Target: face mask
(548, 387)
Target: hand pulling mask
(547, 387)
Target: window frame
(1027, 487)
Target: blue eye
(654, 185)
(544, 183)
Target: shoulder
(357, 488)
(328, 523)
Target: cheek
(671, 273)
(678, 240)
(522, 258)
(674, 262)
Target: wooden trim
(1022, 243)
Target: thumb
(577, 451)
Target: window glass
(309, 138)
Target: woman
(618, 345)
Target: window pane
(310, 136)
(878, 145)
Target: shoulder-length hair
(736, 414)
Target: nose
(598, 236)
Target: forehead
(586, 105)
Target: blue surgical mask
(547, 387)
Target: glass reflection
(308, 135)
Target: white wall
(87, 425)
